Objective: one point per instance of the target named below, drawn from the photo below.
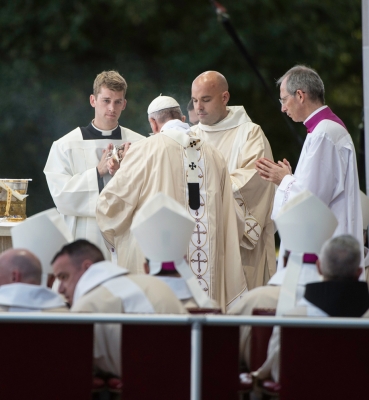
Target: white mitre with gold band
(304, 224)
(163, 229)
(43, 234)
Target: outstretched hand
(272, 172)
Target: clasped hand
(272, 172)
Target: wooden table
(5, 236)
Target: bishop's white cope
(159, 164)
(242, 142)
(72, 178)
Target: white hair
(340, 258)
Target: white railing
(197, 321)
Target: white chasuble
(72, 179)
(213, 252)
(241, 143)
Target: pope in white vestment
(73, 179)
(241, 143)
(161, 163)
(107, 288)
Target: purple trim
(326, 113)
(310, 258)
(168, 266)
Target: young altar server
(193, 173)
(77, 168)
(327, 164)
(155, 226)
(241, 142)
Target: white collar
(315, 112)
(178, 286)
(95, 276)
(28, 296)
(103, 132)
(175, 124)
(236, 116)
(308, 274)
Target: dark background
(51, 51)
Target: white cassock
(327, 168)
(24, 297)
(107, 288)
(160, 164)
(72, 178)
(241, 143)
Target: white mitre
(304, 224)
(365, 209)
(43, 234)
(161, 103)
(163, 229)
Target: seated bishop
(304, 224)
(155, 227)
(91, 284)
(20, 284)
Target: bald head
(19, 265)
(210, 97)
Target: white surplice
(327, 168)
(241, 143)
(72, 179)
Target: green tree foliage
(52, 50)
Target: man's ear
(358, 273)
(93, 100)
(317, 263)
(154, 125)
(124, 105)
(183, 118)
(301, 96)
(86, 264)
(16, 276)
(225, 97)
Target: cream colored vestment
(107, 288)
(158, 164)
(242, 142)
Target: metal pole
(196, 349)
(365, 33)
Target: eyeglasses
(283, 99)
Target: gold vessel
(12, 206)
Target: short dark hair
(80, 250)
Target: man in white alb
(195, 174)
(241, 143)
(327, 165)
(78, 165)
